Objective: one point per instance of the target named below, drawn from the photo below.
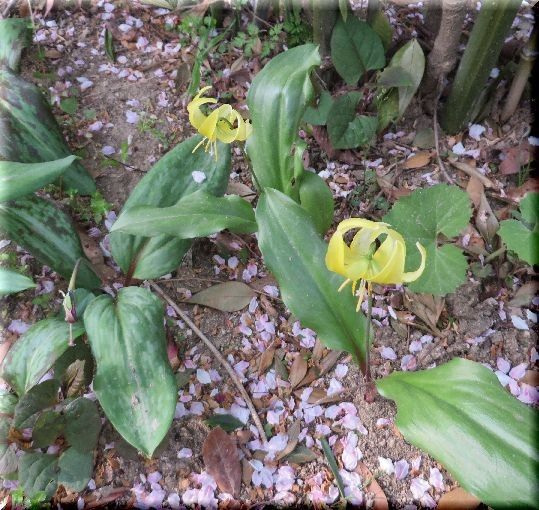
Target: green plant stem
(495, 254)
(482, 51)
(370, 390)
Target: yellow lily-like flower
(365, 260)
(218, 125)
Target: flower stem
(370, 390)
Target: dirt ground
(133, 110)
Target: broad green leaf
(8, 452)
(75, 469)
(30, 133)
(164, 185)
(35, 352)
(8, 401)
(48, 427)
(355, 49)
(316, 198)
(381, 25)
(277, 100)
(345, 130)
(39, 397)
(392, 102)
(318, 115)
(15, 35)
(226, 296)
(69, 105)
(395, 76)
(48, 234)
(11, 282)
(522, 237)
(421, 217)
(461, 415)
(82, 424)
(295, 254)
(80, 351)
(19, 179)
(197, 215)
(227, 422)
(38, 472)
(134, 382)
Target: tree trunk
(324, 16)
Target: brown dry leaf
(222, 460)
(531, 377)
(293, 434)
(524, 295)
(320, 134)
(418, 160)
(320, 396)
(52, 54)
(380, 499)
(91, 248)
(472, 172)
(486, 221)
(266, 360)
(298, 370)
(458, 499)
(476, 244)
(227, 296)
(426, 306)
(329, 361)
(475, 189)
(515, 157)
(312, 375)
(318, 350)
(247, 471)
(240, 189)
(268, 307)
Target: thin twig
(130, 167)
(8, 7)
(436, 140)
(220, 358)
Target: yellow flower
(218, 125)
(368, 260)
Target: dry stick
(436, 140)
(7, 9)
(220, 358)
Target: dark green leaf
(301, 455)
(48, 233)
(8, 401)
(164, 185)
(15, 35)
(318, 115)
(69, 105)
(316, 198)
(80, 351)
(333, 465)
(196, 215)
(461, 415)
(48, 427)
(134, 382)
(295, 254)
(8, 452)
(277, 100)
(82, 424)
(31, 133)
(227, 422)
(35, 353)
(395, 76)
(421, 217)
(381, 25)
(75, 469)
(19, 179)
(11, 282)
(345, 130)
(38, 472)
(355, 49)
(38, 398)
(109, 45)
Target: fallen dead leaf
(418, 160)
(475, 189)
(531, 377)
(298, 370)
(515, 157)
(312, 375)
(329, 361)
(371, 485)
(238, 188)
(227, 296)
(266, 360)
(222, 461)
(426, 306)
(472, 172)
(486, 221)
(524, 295)
(293, 434)
(458, 499)
(318, 350)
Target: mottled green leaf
(461, 415)
(522, 237)
(48, 234)
(277, 100)
(11, 282)
(295, 254)
(48, 427)
(422, 217)
(134, 382)
(38, 472)
(82, 424)
(15, 35)
(355, 49)
(196, 215)
(35, 352)
(75, 469)
(164, 185)
(30, 133)
(19, 179)
(39, 397)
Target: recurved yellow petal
(414, 275)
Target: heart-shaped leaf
(38, 472)
(39, 397)
(421, 217)
(75, 469)
(461, 415)
(134, 382)
(164, 185)
(318, 115)
(295, 254)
